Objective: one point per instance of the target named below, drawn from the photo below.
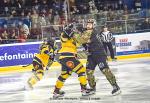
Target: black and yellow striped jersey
(43, 56)
(68, 45)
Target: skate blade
(57, 97)
(92, 93)
(117, 93)
(88, 94)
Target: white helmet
(93, 21)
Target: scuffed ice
(133, 77)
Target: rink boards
(13, 56)
(19, 68)
(132, 76)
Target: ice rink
(133, 77)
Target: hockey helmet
(48, 41)
(69, 29)
(93, 21)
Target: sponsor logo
(124, 43)
(25, 55)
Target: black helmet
(105, 26)
(48, 41)
(69, 29)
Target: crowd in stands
(39, 13)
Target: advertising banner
(132, 43)
(23, 53)
(18, 54)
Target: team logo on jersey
(36, 67)
(70, 64)
(101, 65)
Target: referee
(107, 38)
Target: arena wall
(13, 56)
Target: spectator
(22, 36)
(49, 16)
(138, 5)
(83, 9)
(6, 5)
(13, 13)
(36, 4)
(109, 6)
(62, 18)
(4, 37)
(28, 16)
(120, 5)
(19, 4)
(57, 7)
(105, 11)
(34, 18)
(80, 5)
(25, 29)
(74, 10)
(22, 15)
(98, 3)
(101, 6)
(93, 9)
(0, 40)
(34, 34)
(146, 25)
(110, 15)
(138, 25)
(125, 12)
(42, 20)
(56, 19)
(13, 37)
(43, 4)
(53, 12)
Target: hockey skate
(58, 94)
(92, 90)
(116, 90)
(87, 92)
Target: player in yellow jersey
(42, 59)
(67, 58)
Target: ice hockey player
(43, 59)
(69, 63)
(97, 56)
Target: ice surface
(133, 76)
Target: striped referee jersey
(106, 36)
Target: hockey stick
(26, 65)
